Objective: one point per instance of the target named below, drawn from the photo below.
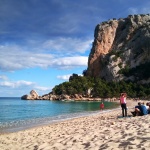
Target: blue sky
(43, 42)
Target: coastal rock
(32, 96)
(77, 97)
(24, 97)
(120, 44)
(64, 96)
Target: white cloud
(70, 62)
(64, 77)
(3, 77)
(16, 84)
(133, 11)
(143, 10)
(13, 58)
(69, 45)
(7, 84)
(42, 88)
(22, 82)
(24, 87)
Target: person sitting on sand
(148, 107)
(123, 104)
(140, 110)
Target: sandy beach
(98, 132)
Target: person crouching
(141, 110)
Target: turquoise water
(17, 114)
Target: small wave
(19, 125)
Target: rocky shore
(76, 97)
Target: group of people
(140, 110)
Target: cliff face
(120, 46)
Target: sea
(17, 114)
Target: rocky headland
(120, 51)
(120, 45)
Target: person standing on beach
(102, 106)
(123, 104)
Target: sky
(43, 42)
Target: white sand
(98, 132)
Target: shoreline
(87, 114)
(99, 131)
(19, 126)
(27, 123)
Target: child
(102, 106)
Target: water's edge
(31, 123)
(17, 115)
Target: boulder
(32, 96)
(24, 97)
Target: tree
(84, 73)
(101, 88)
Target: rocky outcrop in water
(119, 46)
(32, 96)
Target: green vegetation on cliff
(141, 72)
(101, 88)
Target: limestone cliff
(120, 45)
